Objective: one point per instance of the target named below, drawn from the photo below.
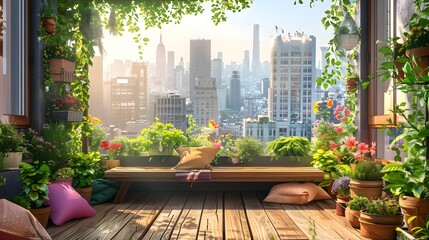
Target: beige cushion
(296, 193)
(196, 157)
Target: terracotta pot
(377, 231)
(366, 188)
(340, 208)
(353, 217)
(49, 25)
(62, 70)
(59, 180)
(343, 199)
(382, 219)
(41, 214)
(111, 163)
(12, 160)
(412, 206)
(422, 58)
(85, 193)
(351, 85)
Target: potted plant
(352, 80)
(162, 138)
(12, 144)
(347, 34)
(35, 179)
(248, 148)
(380, 217)
(112, 154)
(341, 188)
(62, 60)
(64, 174)
(354, 206)
(417, 46)
(366, 179)
(67, 108)
(48, 16)
(84, 170)
(295, 146)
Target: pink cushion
(66, 204)
(296, 193)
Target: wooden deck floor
(207, 215)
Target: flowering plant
(417, 37)
(67, 103)
(112, 150)
(382, 206)
(341, 186)
(226, 145)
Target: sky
(232, 37)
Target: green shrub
(367, 171)
(289, 146)
(97, 135)
(357, 203)
(248, 148)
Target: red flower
(350, 142)
(362, 148)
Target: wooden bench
(128, 175)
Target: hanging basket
(351, 85)
(62, 70)
(67, 116)
(349, 41)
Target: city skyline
(232, 38)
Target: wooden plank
(220, 174)
(71, 226)
(236, 225)
(117, 220)
(329, 207)
(188, 224)
(87, 225)
(211, 226)
(332, 227)
(141, 222)
(123, 189)
(259, 223)
(285, 226)
(163, 226)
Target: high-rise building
(200, 60)
(245, 73)
(216, 69)
(250, 106)
(256, 58)
(179, 78)
(235, 91)
(170, 83)
(265, 85)
(205, 105)
(161, 65)
(97, 89)
(292, 86)
(171, 108)
(139, 71)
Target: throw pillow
(66, 204)
(196, 157)
(103, 190)
(296, 193)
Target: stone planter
(366, 188)
(412, 206)
(67, 116)
(166, 151)
(12, 160)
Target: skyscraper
(245, 74)
(235, 91)
(200, 60)
(161, 68)
(291, 93)
(205, 105)
(170, 83)
(171, 108)
(256, 58)
(97, 89)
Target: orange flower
(330, 103)
(212, 124)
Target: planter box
(13, 184)
(62, 70)
(67, 116)
(171, 161)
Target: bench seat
(127, 175)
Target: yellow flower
(316, 107)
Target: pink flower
(337, 109)
(235, 161)
(362, 148)
(372, 149)
(216, 144)
(338, 130)
(332, 145)
(350, 142)
(346, 111)
(338, 116)
(324, 136)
